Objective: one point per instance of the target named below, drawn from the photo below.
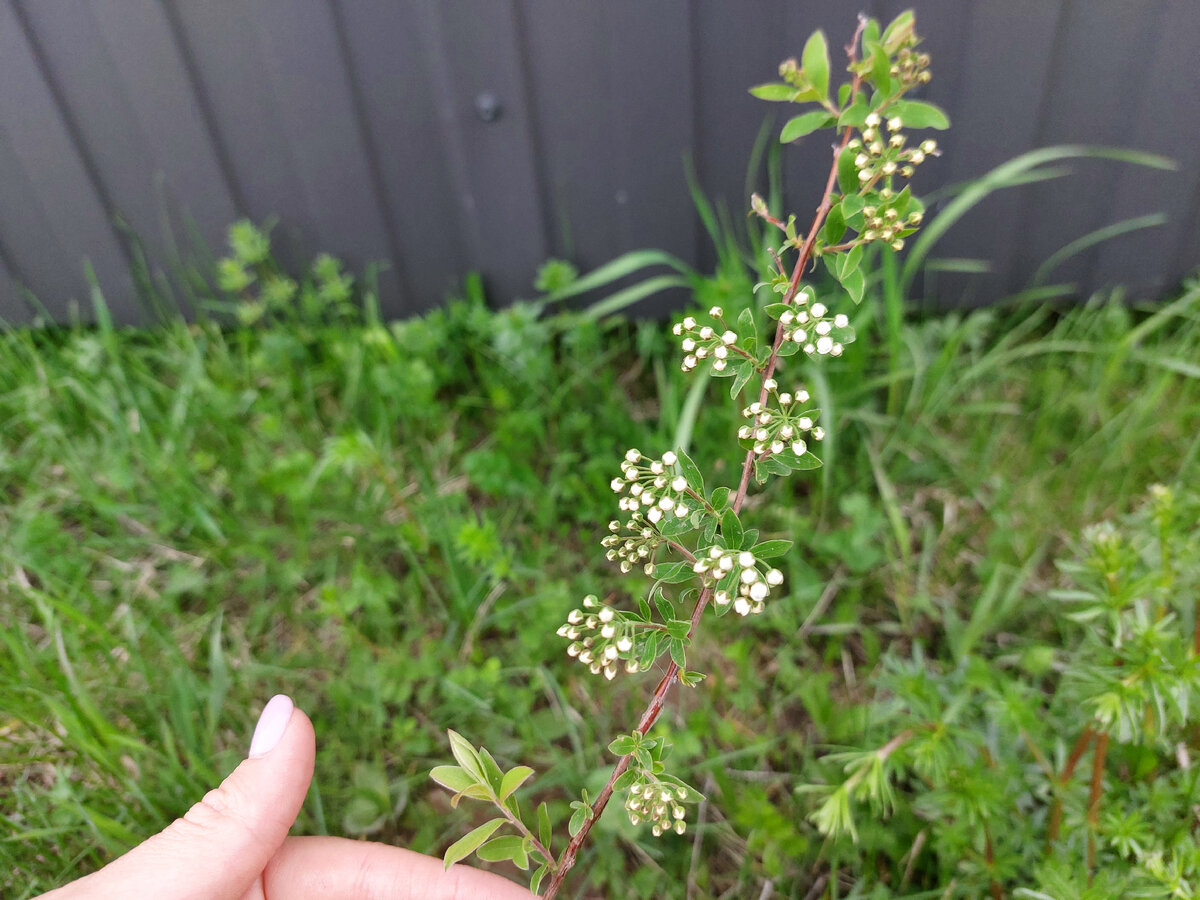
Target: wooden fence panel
(441, 136)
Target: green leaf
(847, 173)
(744, 371)
(495, 775)
(719, 498)
(916, 114)
(899, 32)
(881, 71)
(466, 756)
(850, 261)
(507, 846)
(513, 779)
(464, 846)
(674, 573)
(649, 650)
(854, 282)
(691, 472)
(665, 609)
(623, 745)
(805, 123)
(774, 91)
(771, 549)
(678, 653)
(545, 832)
(835, 225)
(679, 628)
(453, 778)
(871, 32)
(536, 881)
(805, 462)
(578, 818)
(731, 530)
(691, 679)
(854, 116)
(628, 777)
(815, 62)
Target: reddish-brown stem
(989, 854)
(1093, 813)
(1064, 777)
(567, 861)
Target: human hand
(233, 844)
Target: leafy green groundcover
(388, 520)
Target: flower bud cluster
(754, 578)
(601, 638)
(659, 803)
(911, 68)
(702, 341)
(652, 489)
(813, 328)
(876, 159)
(783, 427)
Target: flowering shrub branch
(672, 528)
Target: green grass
(388, 521)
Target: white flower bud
(759, 590)
(872, 120)
(688, 345)
(678, 483)
(818, 434)
(706, 333)
(823, 328)
(719, 365)
(669, 458)
(715, 312)
(749, 576)
(605, 615)
(741, 606)
(721, 598)
(818, 309)
(689, 323)
(799, 447)
(805, 423)
(824, 344)
(774, 577)
(617, 485)
(841, 320)
(728, 338)
(624, 644)
(777, 446)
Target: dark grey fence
(442, 136)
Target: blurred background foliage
(387, 520)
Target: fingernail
(271, 725)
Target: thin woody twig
(570, 854)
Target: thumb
(222, 844)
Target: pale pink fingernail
(271, 725)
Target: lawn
(389, 520)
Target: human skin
(234, 844)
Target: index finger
(327, 868)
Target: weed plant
(385, 520)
